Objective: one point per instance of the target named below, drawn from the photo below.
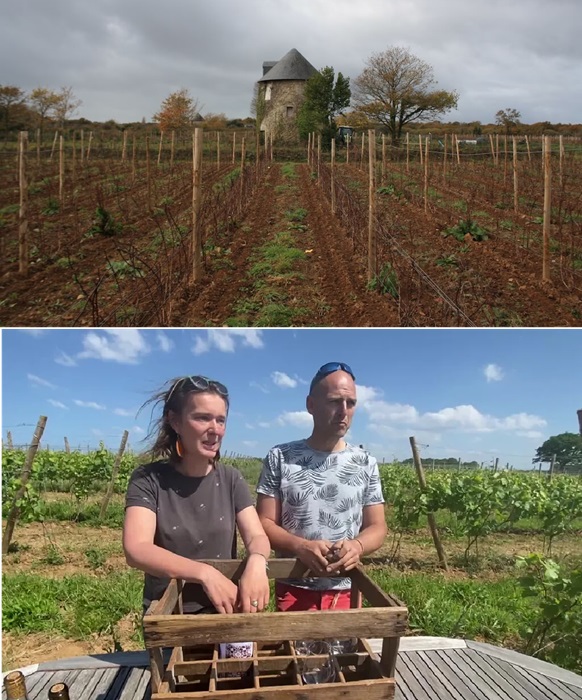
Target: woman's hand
(253, 593)
(220, 589)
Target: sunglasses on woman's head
(330, 368)
(199, 383)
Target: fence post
(9, 440)
(372, 205)
(196, 198)
(547, 208)
(430, 515)
(23, 211)
(332, 169)
(114, 472)
(67, 446)
(24, 477)
(551, 472)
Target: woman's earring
(179, 447)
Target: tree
(395, 89)
(215, 121)
(67, 104)
(178, 111)
(43, 102)
(325, 98)
(11, 98)
(568, 450)
(507, 118)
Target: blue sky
(474, 394)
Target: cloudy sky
(123, 57)
(475, 394)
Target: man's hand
(220, 589)
(347, 555)
(313, 554)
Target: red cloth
(294, 598)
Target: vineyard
(68, 590)
(285, 236)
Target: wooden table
(427, 668)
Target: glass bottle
(59, 691)
(15, 686)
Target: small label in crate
(235, 650)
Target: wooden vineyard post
(515, 183)
(133, 157)
(148, 173)
(551, 470)
(82, 147)
(318, 158)
(561, 158)
(420, 148)
(89, 145)
(308, 147)
(362, 151)
(528, 148)
(61, 168)
(271, 144)
(383, 158)
(38, 146)
(425, 174)
(160, 147)
(54, 144)
(457, 150)
(372, 263)
(496, 465)
(74, 164)
(496, 149)
(67, 446)
(24, 477)
(234, 148)
(172, 148)
(348, 142)
(196, 198)
(547, 208)
(332, 171)
(9, 440)
(218, 150)
(124, 147)
(445, 158)
(243, 156)
(430, 515)
(505, 158)
(23, 211)
(114, 472)
(492, 148)
(407, 152)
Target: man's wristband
(360, 543)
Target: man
(320, 499)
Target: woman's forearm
(160, 562)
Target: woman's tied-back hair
(173, 397)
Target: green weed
(386, 281)
(464, 227)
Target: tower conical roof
(293, 66)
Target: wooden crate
(195, 671)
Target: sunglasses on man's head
(330, 368)
(199, 383)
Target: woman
(186, 507)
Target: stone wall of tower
(286, 98)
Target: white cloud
(66, 360)
(264, 425)
(124, 345)
(533, 434)
(250, 443)
(224, 339)
(124, 412)
(493, 373)
(283, 380)
(89, 404)
(97, 432)
(300, 419)
(260, 387)
(36, 332)
(165, 343)
(39, 381)
(366, 394)
(137, 430)
(58, 404)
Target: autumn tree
(43, 103)
(11, 98)
(67, 104)
(178, 111)
(325, 98)
(507, 118)
(215, 121)
(396, 89)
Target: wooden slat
(370, 590)
(432, 662)
(560, 690)
(65, 676)
(358, 690)
(459, 674)
(116, 685)
(166, 604)
(85, 683)
(134, 684)
(492, 676)
(471, 674)
(335, 624)
(105, 682)
(512, 675)
(426, 678)
(407, 686)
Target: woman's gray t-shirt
(195, 518)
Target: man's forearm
(372, 538)
(280, 539)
